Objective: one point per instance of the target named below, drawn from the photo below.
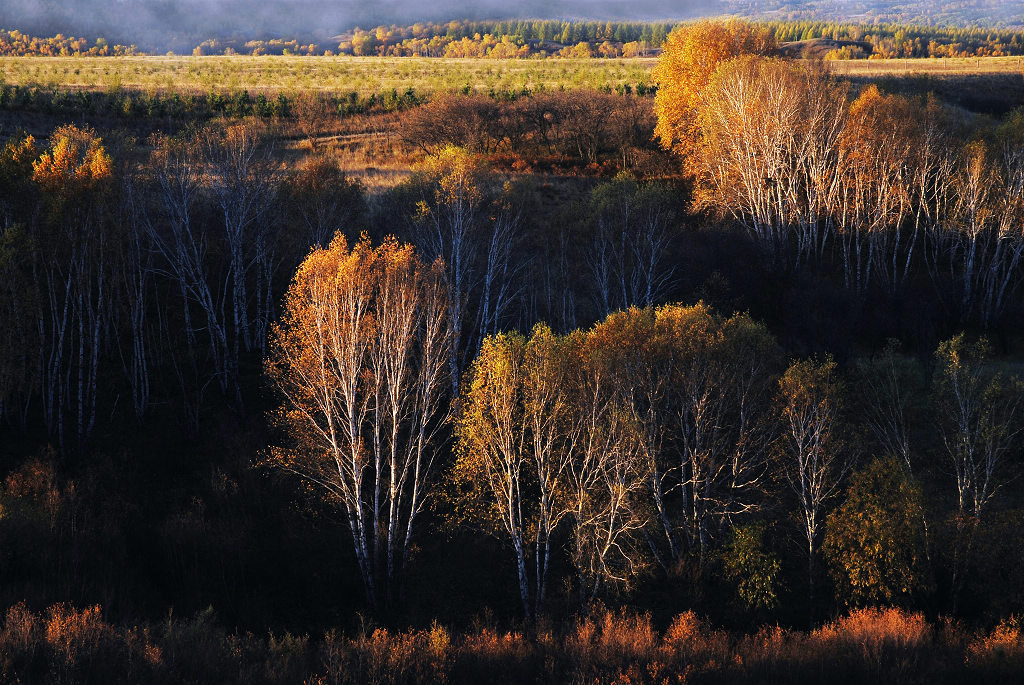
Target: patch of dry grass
(288, 74)
(63, 644)
(953, 66)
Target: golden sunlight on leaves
(691, 55)
(359, 357)
(74, 162)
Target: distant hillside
(938, 13)
(180, 25)
(820, 48)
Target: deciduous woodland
(714, 380)
(576, 39)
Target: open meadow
(368, 75)
(363, 75)
(932, 66)
(989, 85)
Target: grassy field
(961, 66)
(987, 85)
(990, 86)
(364, 75)
(368, 75)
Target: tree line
(659, 438)
(14, 43)
(900, 40)
(546, 38)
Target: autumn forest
(703, 366)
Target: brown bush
(1001, 652)
(618, 644)
(465, 121)
(498, 657)
(20, 643)
(689, 643)
(64, 644)
(584, 125)
(877, 643)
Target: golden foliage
(16, 158)
(874, 541)
(691, 55)
(361, 356)
(75, 162)
(457, 174)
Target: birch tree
(608, 475)
(174, 229)
(812, 456)
(75, 175)
(692, 388)
(360, 358)
(768, 154)
(458, 222)
(447, 229)
(629, 257)
(514, 449)
(244, 180)
(979, 415)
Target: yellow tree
(514, 448)
(875, 542)
(360, 357)
(693, 385)
(690, 56)
(543, 437)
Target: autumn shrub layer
(63, 644)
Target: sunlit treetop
(691, 55)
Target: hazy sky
(179, 22)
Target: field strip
(364, 75)
(958, 66)
(369, 75)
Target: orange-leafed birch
(361, 360)
(690, 57)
